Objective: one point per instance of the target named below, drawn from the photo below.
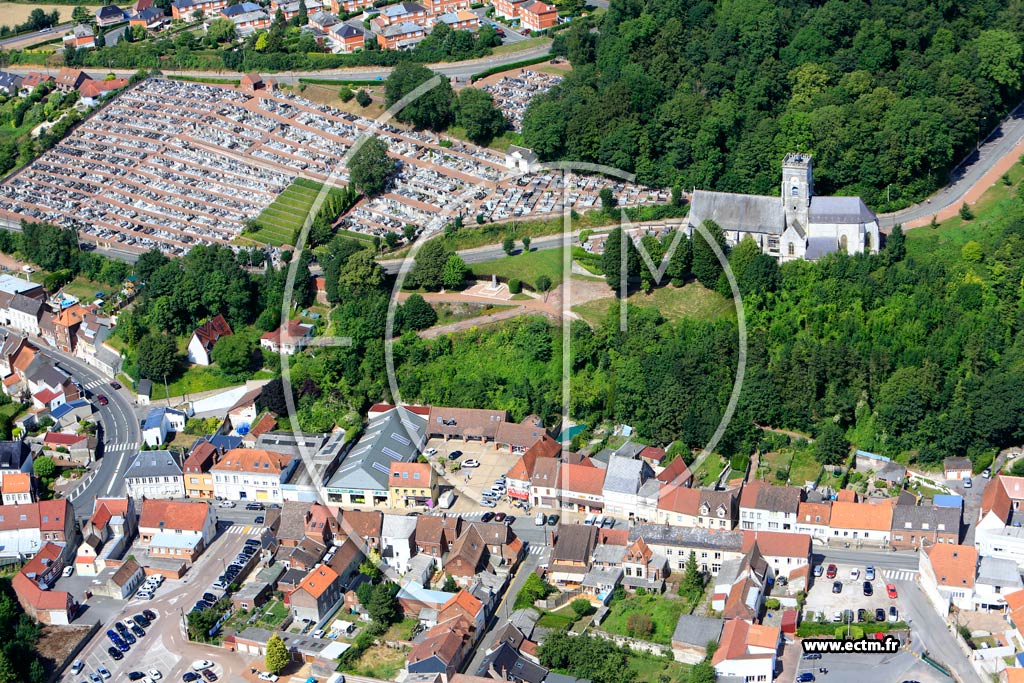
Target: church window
(867, 240)
(791, 249)
(796, 191)
(842, 242)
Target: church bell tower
(797, 188)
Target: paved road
(121, 434)
(997, 145)
(933, 631)
(881, 560)
(38, 35)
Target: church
(796, 225)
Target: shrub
(772, 603)
(346, 94)
(581, 607)
(515, 286)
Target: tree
(100, 39)
(409, 232)
(581, 607)
(346, 94)
(680, 261)
(449, 585)
(391, 239)
(534, 588)
(303, 15)
(156, 356)
(429, 269)
(831, 446)
(277, 656)
(608, 202)
(526, 244)
(363, 98)
(543, 283)
(383, 608)
(370, 167)
(44, 467)
(261, 42)
(417, 313)
(360, 275)
(702, 672)
(455, 271)
(432, 109)
(233, 354)
(706, 266)
(896, 244)
(611, 259)
(639, 624)
(220, 30)
(1018, 468)
(971, 252)
(81, 15)
(999, 55)
(371, 570)
(476, 112)
(508, 244)
(965, 212)
(693, 582)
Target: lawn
(401, 630)
(948, 238)
(520, 45)
(709, 470)
(796, 464)
(198, 378)
(379, 661)
(647, 668)
(663, 611)
(555, 621)
(675, 303)
(451, 313)
(279, 222)
(526, 267)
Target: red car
(102, 400)
(891, 590)
(832, 571)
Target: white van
(599, 522)
(539, 519)
(589, 521)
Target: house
(740, 587)
(704, 508)
(794, 226)
(176, 530)
(676, 473)
(10, 83)
(196, 472)
(24, 529)
(401, 36)
(17, 489)
(436, 8)
(106, 534)
(15, 457)
(252, 474)
(251, 595)
(643, 568)
(349, 6)
(21, 313)
(363, 476)
(947, 575)
(813, 519)
(957, 469)
(692, 635)
(159, 423)
(582, 486)
(206, 335)
(571, 554)
(287, 339)
(1000, 501)
(412, 484)
(622, 482)
(711, 548)
(788, 554)
(864, 523)
(34, 79)
(402, 12)
(508, 9)
(70, 79)
(398, 534)
(32, 586)
(996, 579)
(109, 15)
(460, 20)
(346, 39)
(441, 652)
(91, 93)
(747, 652)
(545, 484)
(421, 603)
(435, 535)
(322, 21)
(155, 474)
(518, 158)
(917, 525)
(119, 580)
(80, 37)
(316, 595)
(365, 527)
(767, 507)
(151, 18)
(537, 15)
(186, 9)
(505, 663)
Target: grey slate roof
(690, 537)
(505, 659)
(995, 571)
(624, 474)
(919, 515)
(817, 247)
(749, 213)
(696, 630)
(289, 443)
(13, 454)
(145, 387)
(154, 464)
(609, 554)
(843, 210)
(395, 436)
(9, 82)
(398, 526)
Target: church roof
(745, 212)
(839, 210)
(820, 246)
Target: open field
(675, 303)
(12, 13)
(526, 267)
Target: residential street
(933, 632)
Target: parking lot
(821, 599)
(854, 668)
(470, 483)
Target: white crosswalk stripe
(95, 383)
(118, 446)
(536, 550)
(900, 574)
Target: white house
(766, 507)
(996, 579)
(155, 474)
(205, 337)
(622, 481)
(521, 159)
(947, 575)
(159, 423)
(252, 474)
(287, 340)
(863, 523)
(396, 539)
(747, 652)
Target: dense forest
(887, 95)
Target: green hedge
(508, 67)
(203, 79)
(342, 81)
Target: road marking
(900, 574)
(114, 480)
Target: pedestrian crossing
(119, 446)
(243, 529)
(94, 384)
(900, 574)
(536, 550)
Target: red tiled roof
(173, 515)
(209, 332)
(29, 592)
(20, 482)
(679, 499)
(53, 514)
(384, 407)
(252, 460)
(675, 473)
(410, 468)
(296, 330)
(778, 543)
(655, 454)
(738, 636)
(318, 580)
(954, 566)
(46, 395)
(263, 425)
(861, 516)
(583, 478)
(200, 459)
(61, 439)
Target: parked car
(891, 590)
(510, 520)
(854, 574)
(149, 614)
(805, 677)
(455, 455)
(95, 678)
(811, 655)
(499, 517)
(879, 614)
(967, 482)
(837, 586)
(225, 504)
(470, 463)
(819, 570)
(264, 676)
(539, 519)
(868, 589)
(77, 666)
(552, 520)
(869, 573)
(259, 520)
(862, 614)
(210, 676)
(114, 653)
(894, 615)
(69, 570)
(135, 675)
(487, 516)
(589, 521)
(201, 664)
(137, 630)
(141, 621)
(488, 503)
(155, 674)
(190, 676)
(832, 571)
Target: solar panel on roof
(391, 454)
(380, 468)
(400, 439)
